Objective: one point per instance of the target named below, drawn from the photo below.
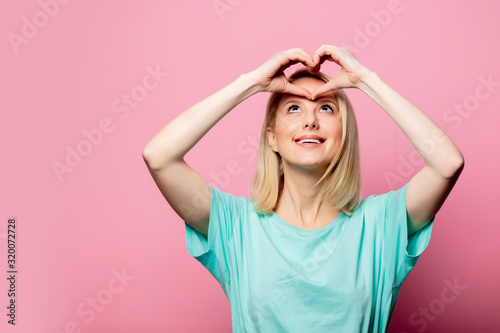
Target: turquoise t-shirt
(344, 277)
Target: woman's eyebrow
(293, 101)
(326, 99)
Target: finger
(303, 52)
(309, 64)
(300, 50)
(292, 61)
(289, 59)
(288, 63)
(329, 86)
(326, 52)
(328, 55)
(296, 90)
(319, 54)
(317, 67)
(313, 70)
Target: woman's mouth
(309, 142)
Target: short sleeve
(399, 252)
(215, 252)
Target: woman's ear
(271, 139)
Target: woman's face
(297, 117)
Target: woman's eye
(292, 108)
(327, 106)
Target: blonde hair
(342, 186)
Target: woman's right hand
(270, 76)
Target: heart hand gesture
(349, 75)
(270, 77)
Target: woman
(306, 254)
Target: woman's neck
(303, 205)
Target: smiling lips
(309, 140)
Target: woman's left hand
(349, 75)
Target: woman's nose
(311, 121)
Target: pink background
(107, 216)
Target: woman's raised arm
(164, 153)
(429, 188)
(173, 141)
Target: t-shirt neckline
(336, 221)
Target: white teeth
(309, 140)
